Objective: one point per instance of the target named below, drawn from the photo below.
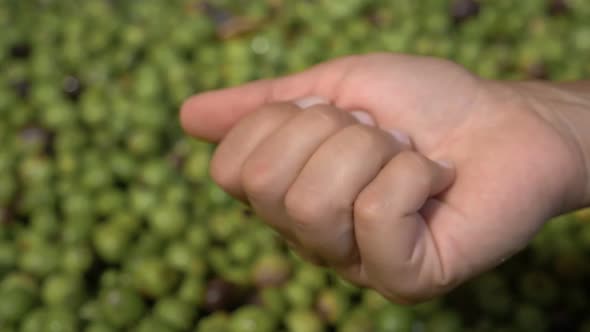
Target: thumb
(211, 115)
(398, 250)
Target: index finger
(211, 115)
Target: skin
(488, 163)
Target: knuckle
(363, 137)
(327, 116)
(256, 178)
(368, 207)
(272, 108)
(444, 280)
(225, 177)
(411, 290)
(303, 208)
(414, 166)
(268, 115)
(413, 160)
(406, 295)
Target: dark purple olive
(5, 215)
(538, 71)
(21, 50)
(177, 160)
(22, 87)
(227, 24)
(462, 10)
(248, 212)
(271, 270)
(558, 7)
(218, 15)
(72, 87)
(35, 135)
(220, 295)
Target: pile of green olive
(108, 218)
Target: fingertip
(210, 115)
(445, 164)
(184, 115)
(310, 101)
(364, 118)
(196, 120)
(402, 138)
(447, 173)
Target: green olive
(304, 321)
(110, 241)
(197, 237)
(332, 305)
(15, 302)
(91, 311)
(217, 322)
(297, 295)
(242, 250)
(224, 225)
(155, 173)
(8, 256)
(122, 164)
(175, 312)
(77, 229)
(121, 306)
(394, 318)
(45, 222)
(373, 300)
(168, 221)
(34, 321)
(196, 166)
(273, 300)
(63, 290)
(39, 259)
(100, 327)
(359, 320)
(585, 326)
(251, 319)
(109, 200)
(311, 276)
(192, 290)
(77, 259)
(153, 276)
(146, 244)
(154, 324)
(531, 318)
(182, 257)
(271, 270)
(539, 288)
(444, 321)
(142, 200)
(493, 294)
(59, 319)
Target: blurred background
(109, 221)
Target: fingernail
(363, 117)
(401, 137)
(311, 101)
(445, 164)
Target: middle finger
(321, 200)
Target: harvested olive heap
(109, 221)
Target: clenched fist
(405, 174)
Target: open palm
(513, 168)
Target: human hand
(381, 212)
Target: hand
(381, 212)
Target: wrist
(566, 107)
